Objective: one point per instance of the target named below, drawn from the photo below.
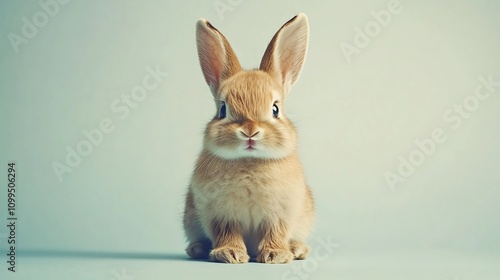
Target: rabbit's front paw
(199, 249)
(275, 256)
(229, 255)
(299, 249)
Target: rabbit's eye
(276, 111)
(222, 111)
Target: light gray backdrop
(397, 109)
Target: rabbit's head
(250, 120)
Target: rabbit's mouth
(250, 143)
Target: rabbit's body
(252, 192)
(248, 195)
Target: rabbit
(248, 197)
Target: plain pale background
(122, 205)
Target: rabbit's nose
(253, 132)
(247, 136)
(248, 130)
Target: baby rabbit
(247, 195)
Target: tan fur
(242, 202)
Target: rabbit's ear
(286, 52)
(217, 59)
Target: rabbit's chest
(248, 198)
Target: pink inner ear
(291, 51)
(286, 52)
(211, 71)
(211, 55)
